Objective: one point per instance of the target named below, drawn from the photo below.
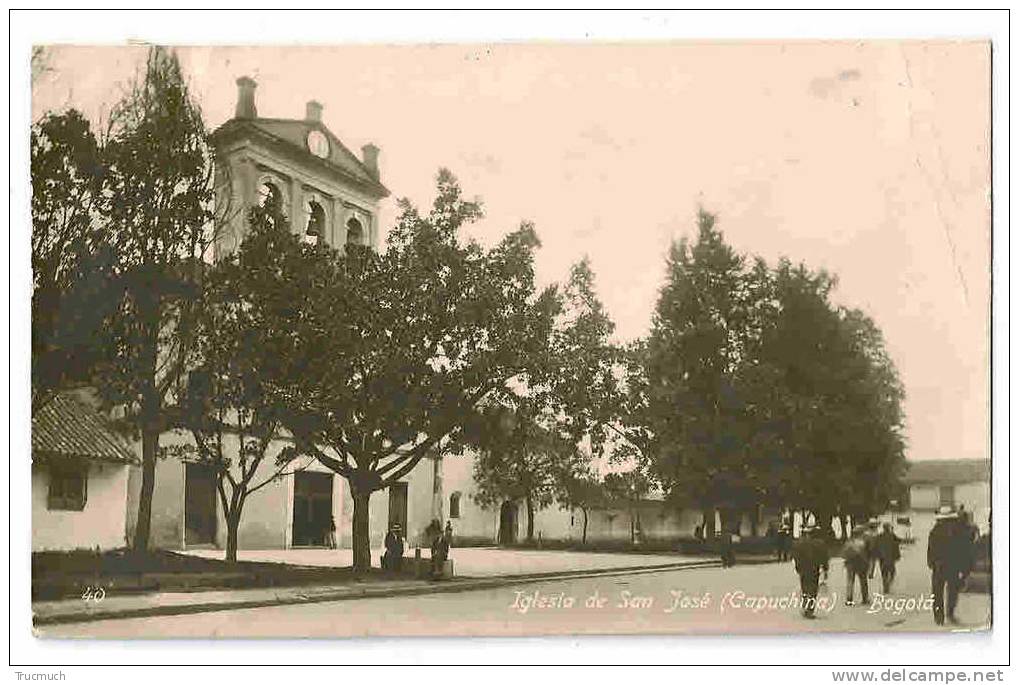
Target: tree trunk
(530, 520)
(233, 523)
(143, 527)
(755, 520)
(151, 405)
(362, 545)
(583, 538)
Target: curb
(465, 585)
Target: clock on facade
(318, 144)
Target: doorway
(199, 504)
(508, 523)
(398, 506)
(313, 508)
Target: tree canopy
(754, 388)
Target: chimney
(370, 157)
(246, 98)
(313, 111)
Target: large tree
(158, 205)
(74, 287)
(519, 458)
(539, 437)
(408, 342)
(700, 379)
(754, 388)
(234, 402)
(839, 398)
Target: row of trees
(751, 388)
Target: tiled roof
(67, 427)
(947, 471)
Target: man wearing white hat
(950, 557)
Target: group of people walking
(874, 548)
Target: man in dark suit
(810, 557)
(950, 559)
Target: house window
(355, 233)
(454, 505)
(68, 488)
(946, 496)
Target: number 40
(92, 594)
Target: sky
(868, 159)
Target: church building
(332, 195)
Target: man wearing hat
(856, 559)
(393, 558)
(950, 558)
(810, 557)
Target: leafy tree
(407, 343)
(158, 207)
(74, 288)
(582, 491)
(233, 406)
(530, 442)
(838, 399)
(629, 487)
(699, 357)
(518, 458)
(756, 389)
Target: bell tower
(329, 194)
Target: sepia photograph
(510, 339)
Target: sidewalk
(474, 562)
(175, 603)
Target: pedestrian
(855, 559)
(810, 558)
(785, 538)
(873, 530)
(888, 553)
(392, 560)
(772, 536)
(727, 549)
(440, 552)
(331, 538)
(950, 559)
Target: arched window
(355, 233)
(270, 196)
(454, 505)
(316, 223)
